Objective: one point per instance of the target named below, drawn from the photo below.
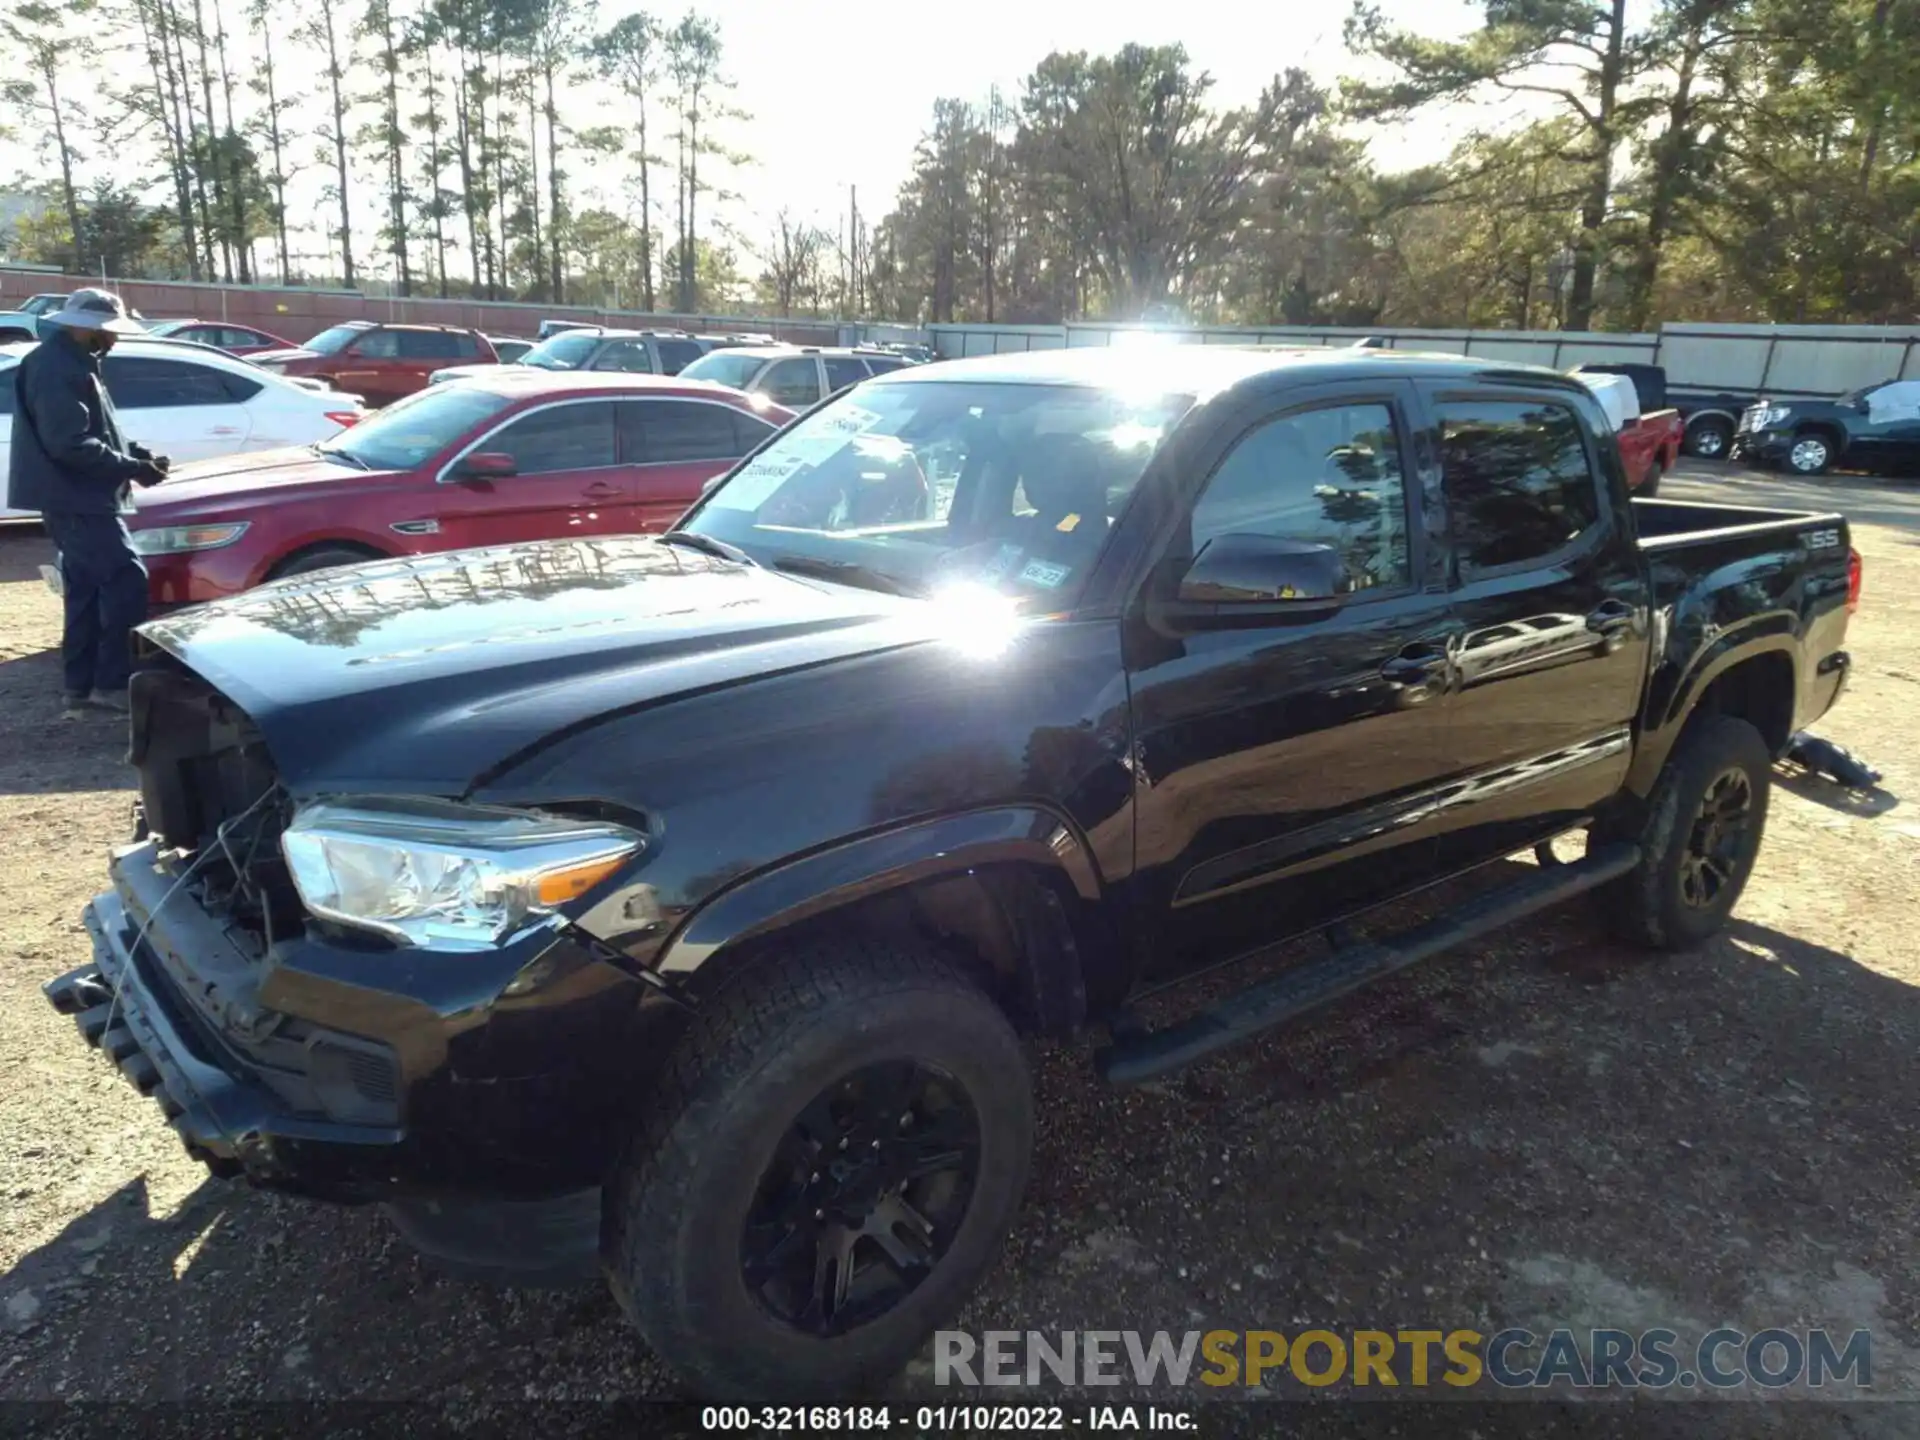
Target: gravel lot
(1543, 1130)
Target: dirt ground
(1545, 1129)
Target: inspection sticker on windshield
(1041, 572)
(750, 487)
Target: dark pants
(106, 596)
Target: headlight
(172, 539)
(455, 877)
(1774, 414)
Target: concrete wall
(1788, 360)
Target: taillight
(1853, 581)
(343, 418)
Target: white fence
(1786, 360)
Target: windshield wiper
(845, 572)
(332, 454)
(706, 545)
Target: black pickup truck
(673, 907)
(1874, 428)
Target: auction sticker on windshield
(845, 420)
(752, 485)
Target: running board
(1144, 1054)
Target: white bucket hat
(95, 310)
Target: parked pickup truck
(1711, 416)
(674, 905)
(1875, 428)
(1649, 443)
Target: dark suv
(379, 362)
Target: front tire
(326, 557)
(830, 1164)
(1810, 454)
(1699, 836)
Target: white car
(191, 402)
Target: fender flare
(794, 890)
(1761, 636)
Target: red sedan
(240, 340)
(519, 455)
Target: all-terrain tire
(1649, 905)
(731, 1095)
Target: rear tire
(1699, 836)
(327, 557)
(758, 1232)
(1709, 438)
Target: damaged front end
(311, 1056)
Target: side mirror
(1263, 568)
(487, 465)
(706, 487)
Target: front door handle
(225, 430)
(1611, 618)
(600, 490)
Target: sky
(839, 91)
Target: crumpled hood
(425, 674)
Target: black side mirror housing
(1256, 568)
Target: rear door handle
(225, 430)
(1611, 618)
(601, 490)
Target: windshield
(725, 367)
(331, 342)
(1859, 397)
(412, 431)
(168, 327)
(915, 487)
(566, 351)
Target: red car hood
(220, 482)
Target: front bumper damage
(227, 1119)
(480, 1098)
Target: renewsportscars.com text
(1513, 1359)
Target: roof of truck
(1203, 369)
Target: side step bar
(1144, 1054)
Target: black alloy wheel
(863, 1198)
(1717, 848)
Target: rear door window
(676, 355)
(428, 345)
(1519, 482)
(660, 432)
(844, 370)
(629, 356)
(792, 382)
(135, 382)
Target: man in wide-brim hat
(71, 462)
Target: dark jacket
(69, 454)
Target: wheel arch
(276, 567)
(1758, 682)
(1012, 891)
